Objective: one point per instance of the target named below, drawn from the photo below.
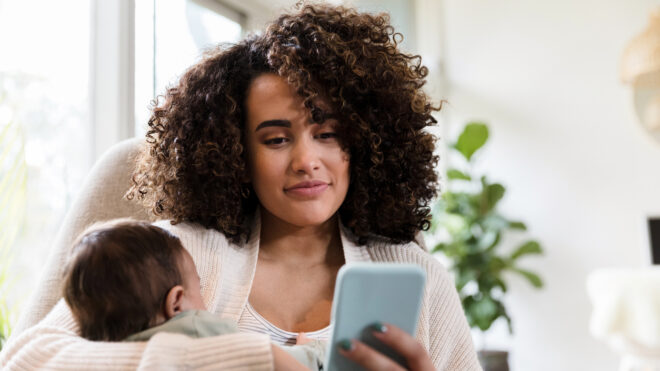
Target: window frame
(112, 59)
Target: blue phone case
(366, 293)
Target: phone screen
(367, 293)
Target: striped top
(252, 321)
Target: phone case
(366, 293)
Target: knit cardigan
(226, 271)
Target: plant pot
(494, 360)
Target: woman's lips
(308, 191)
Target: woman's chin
(305, 218)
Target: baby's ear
(173, 302)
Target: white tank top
(251, 321)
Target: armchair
(100, 198)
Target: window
(169, 37)
(45, 146)
(67, 74)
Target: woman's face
(297, 168)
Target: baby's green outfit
(199, 324)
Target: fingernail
(346, 345)
(380, 327)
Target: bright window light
(44, 98)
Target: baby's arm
(54, 344)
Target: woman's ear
(173, 302)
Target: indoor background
(565, 139)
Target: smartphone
(366, 293)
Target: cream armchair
(100, 198)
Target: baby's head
(126, 276)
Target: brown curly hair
(194, 168)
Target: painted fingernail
(380, 327)
(346, 345)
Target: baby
(128, 280)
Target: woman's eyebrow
(268, 123)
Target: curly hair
(194, 167)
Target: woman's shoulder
(194, 235)
(184, 228)
(382, 250)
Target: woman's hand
(395, 338)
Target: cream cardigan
(226, 271)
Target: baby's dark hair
(119, 276)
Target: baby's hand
(285, 361)
(302, 339)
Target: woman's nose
(304, 157)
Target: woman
(277, 161)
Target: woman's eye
(327, 135)
(275, 141)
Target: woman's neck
(302, 247)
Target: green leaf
(455, 250)
(494, 222)
(497, 264)
(518, 225)
(506, 317)
(454, 174)
(534, 279)
(473, 137)
(482, 311)
(490, 196)
(463, 277)
(529, 247)
(439, 247)
(484, 181)
(487, 239)
(454, 223)
(495, 193)
(495, 243)
(485, 309)
(499, 283)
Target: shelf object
(640, 68)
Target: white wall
(565, 141)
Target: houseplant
(469, 228)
